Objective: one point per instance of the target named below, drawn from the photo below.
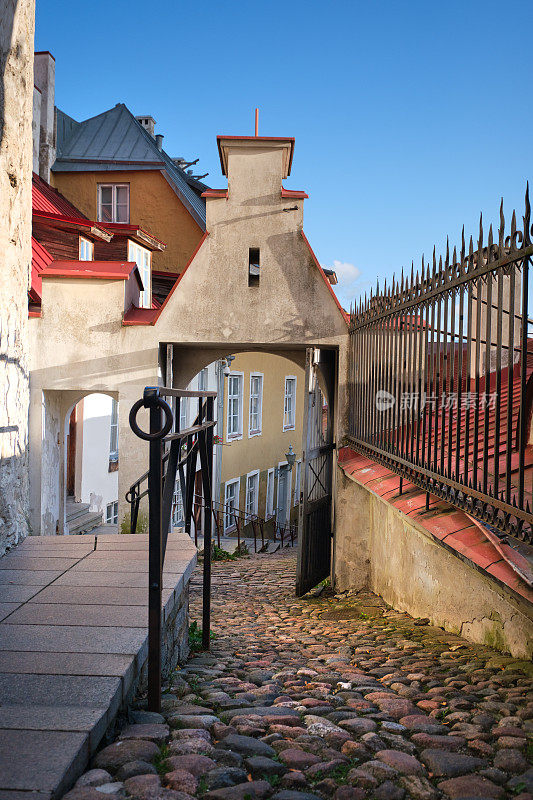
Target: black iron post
(206, 456)
(155, 486)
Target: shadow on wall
(7, 18)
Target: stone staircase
(80, 519)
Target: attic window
(253, 267)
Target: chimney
(148, 123)
(44, 66)
(36, 127)
(159, 141)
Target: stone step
(73, 510)
(84, 522)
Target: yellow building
(262, 418)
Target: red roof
(215, 193)
(106, 270)
(293, 193)
(458, 531)
(40, 259)
(45, 198)
(133, 231)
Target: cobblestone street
(324, 697)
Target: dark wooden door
(71, 454)
(316, 512)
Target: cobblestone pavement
(324, 697)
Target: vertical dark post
(155, 485)
(206, 456)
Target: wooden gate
(316, 512)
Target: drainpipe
(219, 371)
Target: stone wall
(379, 548)
(16, 101)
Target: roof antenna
(257, 122)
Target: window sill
(233, 437)
(289, 428)
(251, 434)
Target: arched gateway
(91, 336)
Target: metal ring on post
(150, 437)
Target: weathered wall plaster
(16, 103)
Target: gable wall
(154, 206)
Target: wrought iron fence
(441, 377)
(184, 448)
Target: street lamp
(227, 368)
(290, 457)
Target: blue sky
(410, 117)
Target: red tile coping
(458, 530)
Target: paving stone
(142, 786)
(152, 732)
(133, 768)
(94, 777)
(119, 753)
(471, 786)
(255, 790)
(248, 746)
(418, 788)
(194, 763)
(287, 794)
(404, 763)
(444, 763)
(222, 777)
(259, 766)
(182, 781)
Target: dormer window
(253, 266)
(86, 249)
(114, 202)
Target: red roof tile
(457, 530)
(40, 259)
(46, 198)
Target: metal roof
(115, 140)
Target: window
(203, 376)
(143, 258)
(252, 493)
(269, 509)
(113, 202)
(235, 387)
(231, 502)
(184, 407)
(256, 404)
(253, 266)
(86, 249)
(177, 505)
(111, 513)
(297, 481)
(289, 407)
(113, 437)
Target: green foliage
(274, 780)
(142, 523)
(160, 761)
(195, 641)
(339, 774)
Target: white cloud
(348, 276)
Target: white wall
(98, 486)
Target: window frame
(203, 377)
(290, 426)
(289, 491)
(270, 509)
(136, 253)
(113, 187)
(253, 474)
(84, 241)
(232, 437)
(113, 432)
(233, 482)
(177, 505)
(256, 431)
(111, 519)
